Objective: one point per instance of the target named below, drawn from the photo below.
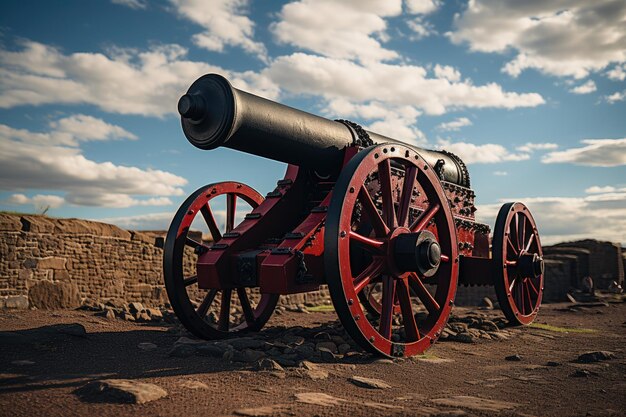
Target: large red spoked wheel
(207, 314)
(389, 221)
(518, 263)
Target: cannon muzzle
(214, 113)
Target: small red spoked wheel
(207, 314)
(389, 222)
(518, 263)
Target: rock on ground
(120, 391)
(371, 383)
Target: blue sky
(532, 96)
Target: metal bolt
(376, 155)
(342, 234)
(213, 191)
(425, 167)
(372, 339)
(393, 149)
(357, 317)
(190, 212)
(385, 150)
(350, 302)
(451, 302)
(351, 189)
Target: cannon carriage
(390, 228)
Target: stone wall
(63, 263)
(602, 261)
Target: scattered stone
(142, 316)
(109, 314)
(155, 314)
(487, 303)
(127, 316)
(571, 298)
(465, 337)
(343, 348)
(475, 403)
(210, 349)
(331, 346)
(553, 363)
(292, 339)
(590, 357)
(582, 373)
(318, 398)
(194, 384)
(135, 307)
(23, 362)
(267, 410)
(48, 295)
(326, 354)
(74, 329)
(182, 351)
(371, 383)
(383, 361)
(248, 356)
(246, 343)
(514, 358)
(147, 346)
(267, 364)
(120, 391)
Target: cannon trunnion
(390, 228)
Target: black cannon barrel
(214, 113)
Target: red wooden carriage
(390, 228)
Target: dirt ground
(41, 368)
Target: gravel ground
(71, 363)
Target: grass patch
(561, 329)
(321, 308)
(427, 356)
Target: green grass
(321, 308)
(562, 329)
(427, 356)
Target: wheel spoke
(510, 243)
(231, 208)
(190, 242)
(529, 299)
(523, 299)
(191, 280)
(366, 276)
(210, 222)
(386, 315)
(380, 228)
(248, 313)
(206, 303)
(366, 242)
(410, 327)
(530, 281)
(530, 242)
(512, 284)
(522, 220)
(424, 295)
(384, 177)
(407, 193)
(510, 263)
(225, 310)
(421, 222)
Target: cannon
(390, 229)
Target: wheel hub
(417, 252)
(531, 264)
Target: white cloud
(600, 216)
(40, 201)
(597, 152)
(422, 6)
(349, 29)
(420, 28)
(487, 153)
(596, 189)
(225, 23)
(560, 38)
(398, 85)
(531, 147)
(447, 72)
(618, 73)
(615, 97)
(455, 124)
(500, 173)
(133, 4)
(123, 81)
(51, 160)
(150, 221)
(586, 88)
